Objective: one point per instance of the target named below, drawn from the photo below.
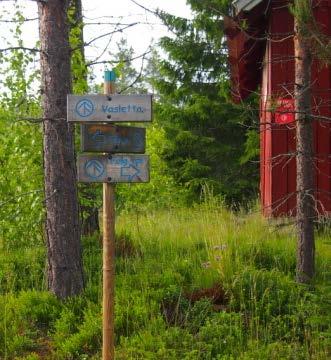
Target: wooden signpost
(96, 112)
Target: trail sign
(109, 108)
(112, 138)
(113, 168)
(96, 113)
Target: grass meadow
(199, 283)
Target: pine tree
(64, 258)
(206, 145)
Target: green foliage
(165, 252)
(15, 263)
(263, 314)
(21, 191)
(17, 77)
(310, 30)
(161, 191)
(21, 208)
(23, 319)
(252, 147)
(205, 132)
(223, 333)
(79, 69)
(266, 293)
(276, 351)
(129, 79)
(86, 337)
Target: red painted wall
(278, 168)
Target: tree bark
(64, 258)
(305, 159)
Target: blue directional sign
(113, 168)
(108, 138)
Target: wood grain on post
(108, 306)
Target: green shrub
(158, 342)
(24, 318)
(223, 334)
(72, 339)
(265, 314)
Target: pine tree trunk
(305, 161)
(64, 258)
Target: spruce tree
(207, 134)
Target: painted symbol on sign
(99, 136)
(94, 169)
(130, 172)
(84, 108)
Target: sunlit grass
(163, 256)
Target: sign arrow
(130, 172)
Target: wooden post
(108, 303)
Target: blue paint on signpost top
(110, 75)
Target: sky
(139, 36)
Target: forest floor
(199, 283)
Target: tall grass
(169, 266)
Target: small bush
(73, 340)
(23, 318)
(223, 334)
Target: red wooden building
(261, 56)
